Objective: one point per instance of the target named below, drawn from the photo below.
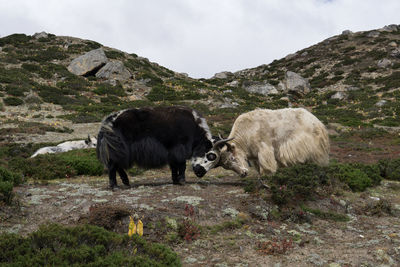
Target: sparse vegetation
(82, 245)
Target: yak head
(222, 154)
(91, 141)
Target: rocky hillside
(49, 83)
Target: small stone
(318, 241)
(190, 260)
(339, 96)
(191, 200)
(373, 34)
(384, 63)
(381, 103)
(230, 212)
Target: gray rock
(233, 84)
(230, 212)
(395, 53)
(228, 103)
(295, 83)
(190, 260)
(393, 44)
(88, 62)
(114, 70)
(384, 63)
(316, 259)
(222, 75)
(339, 96)
(347, 32)
(39, 35)
(391, 28)
(381, 103)
(373, 34)
(262, 88)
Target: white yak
(268, 139)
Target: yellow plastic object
(140, 228)
(132, 226)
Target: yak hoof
(179, 181)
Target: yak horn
(223, 141)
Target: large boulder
(39, 35)
(222, 75)
(88, 63)
(114, 70)
(296, 84)
(261, 88)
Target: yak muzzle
(199, 170)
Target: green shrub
(6, 193)
(8, 180)
(13, 101)
(15, 39)
(114, 54)
(297, 182)
(356, 175)
(108, 89)
(162, 93)
(55, 245)
(390, 169)
(62, 165)
(83, 161)
(17, 89)
(301, 182)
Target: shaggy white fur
(272, 138)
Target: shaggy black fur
(150, 138)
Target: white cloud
(200, 37)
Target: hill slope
(352, 79)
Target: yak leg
(178, 173)
(266, 162)
(112, 174)
(177, 163)
(174, 171)
(123, 175)
(266, 159)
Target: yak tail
(111, 147)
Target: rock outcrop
(114, 70)
(88, 63)
(296, 84)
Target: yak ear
(87, 141)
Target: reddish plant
(187, 229)
(275, 246)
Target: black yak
(152, 137)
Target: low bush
(304, 181)
(55, 166)
(55, 245)
(390, 169)
(13, 101)
(8, 180)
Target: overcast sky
(199, 37)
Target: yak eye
(211, 156)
